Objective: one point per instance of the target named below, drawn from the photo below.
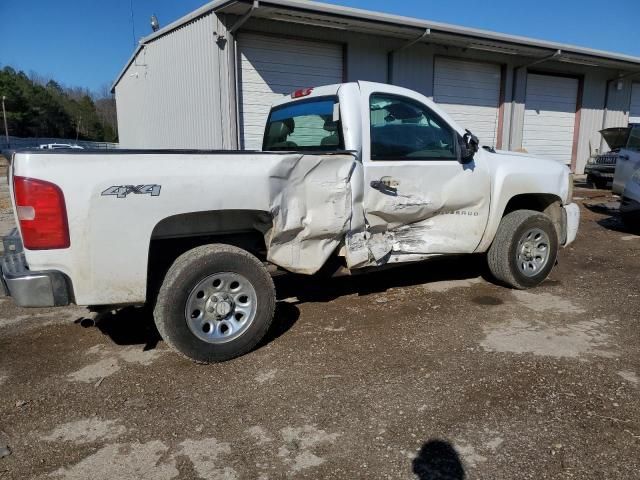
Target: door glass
(403, 129)
(634, 138)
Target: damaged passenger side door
(419, 198)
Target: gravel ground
(428, 371)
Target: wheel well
(175, 235)
(549, 204)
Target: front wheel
(598, 183)
(216, 303)
(631, 221)
(524, 249)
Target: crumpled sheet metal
(318, 202)
(450, 219)
(311, 209)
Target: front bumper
(28, 288)
(571, 218)
(601, 173)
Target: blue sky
(86, 42)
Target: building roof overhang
(393, 26)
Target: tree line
(40, 107)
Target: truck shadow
(135, 325)
(126, 326)
(613, 221)
(322, 289)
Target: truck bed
(119, 201)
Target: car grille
(605, 159)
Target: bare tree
(106, 107)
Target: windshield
(615, 137)
(633, 143)
(309, 125)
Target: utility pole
(4, 114)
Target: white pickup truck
(361, 174)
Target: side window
(634, 138)
(305, 125)
(403, 129)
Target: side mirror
(468, 146)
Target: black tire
(597, 183)
(601, 183)
(631, 221)
(185, 274)
(502, 256)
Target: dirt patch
(570, 340)
(264, 377)
(629, 376)
(95, 371)
(86, 430)
(204, 456)
(42, 320)
(299, 442)
(546, 302)
(487, 300)
(111, 361)
(260, 435)
(134, 461)
(445, 286)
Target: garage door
(634, 110)
(550, 116)
(271, 67)
(470, 93)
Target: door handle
(386, 185)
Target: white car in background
(626, 183)
(59, 146)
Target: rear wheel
(524, 249)
(216, 303)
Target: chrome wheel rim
(533, 252)
(221, 307)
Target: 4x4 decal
(121, 191)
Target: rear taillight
(42, 214)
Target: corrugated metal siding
(634, 109)
(550, 116)
(176, 94)
(618, 108)
(367, 60)
(366, 54)
(515, 130)
(591, 116)
(413, 68)
(470, 92)
(271, 67)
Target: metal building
(208, 79)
